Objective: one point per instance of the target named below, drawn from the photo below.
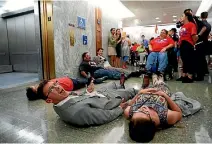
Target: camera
(179, 24)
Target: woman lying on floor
(152, 108)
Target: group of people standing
(118, 48)
(193, 45)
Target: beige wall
(67, 58)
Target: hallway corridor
(36, 122)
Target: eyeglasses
(54, 85)
(144, 112)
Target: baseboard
(6, 68)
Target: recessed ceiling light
(174, 16)
(174, 19)
(157, 18)
(159, 21)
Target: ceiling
(146, 12)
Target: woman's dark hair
(187, 11)
(40, 89)
(119, 35)
(151, 38)
(31, 95)
(142, 131)
(100, 49)
(83, 55)
(112, 29)
(190, 17)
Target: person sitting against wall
(155, 108)
(99, 67)
(158, 54)
(92, 107)
(90, 67)
(69, 84)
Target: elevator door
(21, 42)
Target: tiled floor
(8, 80)
(22, 121)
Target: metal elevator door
(21, 43)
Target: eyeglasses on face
(54, 85)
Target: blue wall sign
(85, 39)
(81, 22)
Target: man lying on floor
(155, 107)
(69, 84)
(89, 108)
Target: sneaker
(180, 79)
(187, 80)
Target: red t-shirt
(134, 48)
(158, 44)
(65, 82)
(187, 31)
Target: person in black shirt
(172, 53)
(90, 69)
(201, 48)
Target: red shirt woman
(188, 38)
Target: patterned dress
(156, 102)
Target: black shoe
(180, 79)
(187, 80)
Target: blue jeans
(157, 57)
(79, 83)
(111, 74)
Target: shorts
(125, 58)
(111, 51)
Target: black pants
(172, 58)
(187, 56)
(200, 61)
(79, 83)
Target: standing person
(201, 48)
(144, 41)
(118, 48)
(172, 56)
(187, 40)
(112, 46)
(125, 50)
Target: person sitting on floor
(155, 107)
(90, 67)
(69, 84)
(158, 48)
(90, 107)
(101, 61)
